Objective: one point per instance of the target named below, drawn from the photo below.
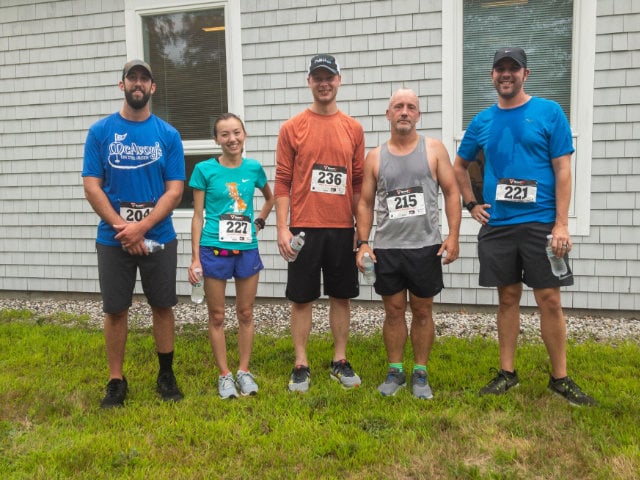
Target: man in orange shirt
(320, 157)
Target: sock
(420, 367)
(397, 366)
(166, 361)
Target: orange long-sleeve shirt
(307, 140)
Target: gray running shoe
(227, 387)
(395, 381)
(567, 389)
(502, 382)
(342, 372)
(300, 379)
(421, 388)
(246, 383)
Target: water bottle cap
(302, 234)
(197, 270)
(549, 237)
(366, 254)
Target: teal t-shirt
(228, 202)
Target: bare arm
(99, 201)
(132, 234)
(453, 210)
(562, 170)
(364, 212)
(197, 224)
(284, 234)
(268, 203)
(461, 170)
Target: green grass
(52, 378)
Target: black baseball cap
(324, 61)
(130, 65)
(514, 53)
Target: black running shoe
(116, 393)
(502, 382)
(567, 389)
(167, 387)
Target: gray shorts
(117, 271)
(516, 253)
(418, 270)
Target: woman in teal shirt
(224, 244)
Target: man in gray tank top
(401, 178)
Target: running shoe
(227, 387)
(246, 383)
(567, 389)
(395, 381)
(342, 372)
(167, 387)
(420, 385)
(116, 393)
(502, 382)
(300, 379)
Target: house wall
(60, 63)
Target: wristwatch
(360, 242)
(470, 205)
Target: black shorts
(418, 270)
(329, 250)
(516, 253)
(117, 272)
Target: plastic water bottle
(152, 245)
(558, 265)
(197, 289)
(297, 242)
(369, 273)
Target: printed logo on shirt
(239, 205)
(131, 156)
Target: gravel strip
(272, 317)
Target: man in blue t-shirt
(133, 175)
(526, 144)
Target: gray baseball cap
(130, 65)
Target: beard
(134, 103)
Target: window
(559, 37)
(188, 45)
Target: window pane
(190, 164)
(542, 28)
(187, 53)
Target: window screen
(542, 28)
(187, 53)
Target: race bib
(134, 212)
(516, 190)
(234, 228)
(329, 179)
(406, 202)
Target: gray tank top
(406, 201)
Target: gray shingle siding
(60, 62)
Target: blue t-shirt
(134, 160)
(229, 192)
(519, 143)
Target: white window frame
(582, 87)
(136, 9)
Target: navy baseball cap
(324, 61)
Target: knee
(244, 314)
(216, 318)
